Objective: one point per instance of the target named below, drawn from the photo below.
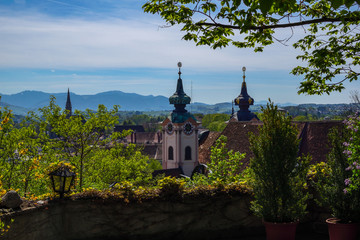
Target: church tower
(68, 106)
(244, 101)
(180, 131)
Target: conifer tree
(279, 175)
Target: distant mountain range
(33, 100)
(25, 101)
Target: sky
(93, 46)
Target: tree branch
(286, 25)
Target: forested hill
(33, 100)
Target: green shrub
(279, 175)
(225, 165)
(329, 180)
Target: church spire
(244, 101)
(68, 106)
(179, 98)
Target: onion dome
(244, 101)
(244, 98)
(180, 99)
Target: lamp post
(62, 179)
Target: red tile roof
(205, 147)
(314, 139)
(143, 137)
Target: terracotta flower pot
(342, 231)
(280, 231)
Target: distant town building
(136, 129)
(243, 101)
(149, 142)
(180, 134)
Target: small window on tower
(171, 153)
(188, 153)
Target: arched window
(171, 153)
(188, 153)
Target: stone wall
(213, 218)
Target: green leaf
(265, 5)
(237, 2)
(336, 3)
(349, 3)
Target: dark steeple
(68, 106)
(244, 101)
(180, 99)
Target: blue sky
(93, 46)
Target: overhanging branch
(285, 25)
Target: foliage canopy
(330, 46)
(84, 140)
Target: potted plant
(279, 175)
(334, 182)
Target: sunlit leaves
(79, 135)
(20, 158)
(331, 59)
(224, 165)
(85, 140)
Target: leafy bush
(352, 151)
(117, 164)
(329, 180)
(171, 187)
(225, 165)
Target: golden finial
(179, 65)
(243, 69)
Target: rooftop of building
(314, 139)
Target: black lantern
(62, 179)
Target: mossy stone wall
(209, 218)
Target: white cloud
(38, 41)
